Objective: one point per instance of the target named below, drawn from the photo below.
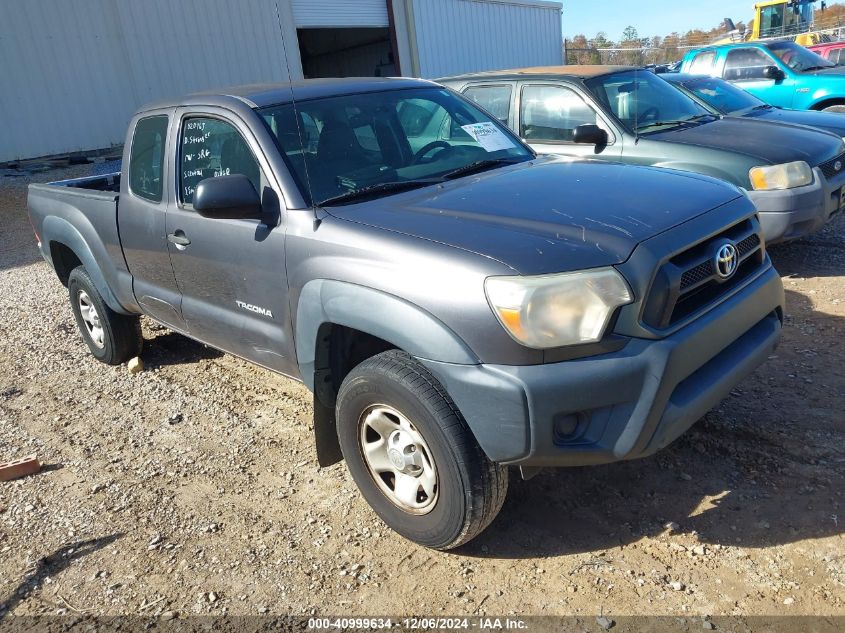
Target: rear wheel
(412, 454)
(112, 338)
(839, 107)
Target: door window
(702, 63)
(772, 20)
(147, 158)
(210, 148)
(551, 113)
(744, 64)
(495, 99)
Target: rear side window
(146, 161)
(495, 99)
(702, 63)
(415, 115)
(210, 148)
(745, 64)
(551, 113)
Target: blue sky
(649, 17)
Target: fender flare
(56, 229)
(374, 312)
(825, 101)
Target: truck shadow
(50, 566)
(819, 255)
(766, 467)
(171, 348)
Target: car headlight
(556, 310)
(784, 176)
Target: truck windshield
(798, 58)
(645, 103)
(723, 96)
(344, 148)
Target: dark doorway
(346, 52)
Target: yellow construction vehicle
(779, 19)
(785, 18)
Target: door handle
(178, 238)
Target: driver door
(231, 272)
(744, 68)
(548, 115)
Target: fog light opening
(569, 426)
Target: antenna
(293, 102)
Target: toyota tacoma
(457, 304)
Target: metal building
(73, 71)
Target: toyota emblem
(837, 165)
(726, 260)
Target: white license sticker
(488, 136)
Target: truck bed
(81, 213)
(89, 184)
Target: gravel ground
(193, 487)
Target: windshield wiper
(481, 165)
(373, 191)
(809, 68)
(675, 122)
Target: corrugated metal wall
(457, 36)
(340, 13)
(73, 71)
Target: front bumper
(621, 405)
(792, 213)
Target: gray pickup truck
(456, 303)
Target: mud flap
(325, 435)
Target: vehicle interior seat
(338, 143)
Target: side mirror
(227, 197)
(773, 72)
(589, 134)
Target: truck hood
(767, 142)
(829, 121)
(549, 214)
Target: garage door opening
(346, 52)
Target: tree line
(633, 50)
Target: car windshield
(345, 148)
(799, 58)
(643, 102)
(722, 96)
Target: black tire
(470, 488)
(121, 334)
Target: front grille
(695, 275)
(748, 245)
(829, 168)
(689, 282)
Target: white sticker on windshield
(488, 136)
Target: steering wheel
(425, 149)
(650, 113)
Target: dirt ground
(193, 487)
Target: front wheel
(412, 454)
(840, 108)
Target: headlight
(555, 310)
(784, 176)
